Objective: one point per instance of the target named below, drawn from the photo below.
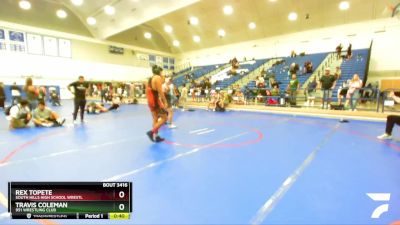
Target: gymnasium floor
(216, 168)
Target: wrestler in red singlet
(156, 101)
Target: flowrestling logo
(384, 198)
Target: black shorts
(343, 92)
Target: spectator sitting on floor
(20, 115)
(45, 117)
(116, 102)
(97, 107)
(221, 103)
(54, 97)
(213, 101)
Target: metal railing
(367, 99)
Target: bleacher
(356, 65)
(244, 66)
(197, 73)
(281, 70)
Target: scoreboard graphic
(70, 200)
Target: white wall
(56, 69)
(384, 52)
(61, 71)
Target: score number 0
(121, 194)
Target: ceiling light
(168, 28)
(77, 2)
(252, 25)
(91, 21)
(147, 35)
(61, 14)
(109, 10)
(196, 38)
(272, 0)
(228, 10)
(221, 33)
(344, 5)
(292, 16)
(24, 5)
(176, 43)
(193, 20)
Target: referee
(79, 90)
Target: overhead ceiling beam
(77, 14)
(163, 7)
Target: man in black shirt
(327, 82)
(80, 91)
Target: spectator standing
(349, 52)
(311, 90)
(31, 93)
(339, 50)
(292, 89)
(391, 120)
(327, 83)
(354, 92)
(183, 97)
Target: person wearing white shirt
(183, 98)
(354, 92)
(15, 93)
(167, 92)
(20, 115)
